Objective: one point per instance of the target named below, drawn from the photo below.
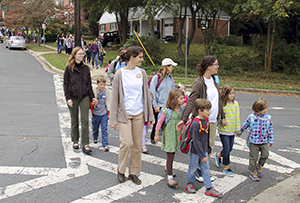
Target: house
(165, 23)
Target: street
(38, 163)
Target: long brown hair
(206, 61)
(71, 60)
(164, 71)
(174, 94)
(227, 88)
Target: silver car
(16, 42)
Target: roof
(107, 18)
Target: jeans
(101, 62)
(59, 47)
(191, 176)
(100, 120)
(94, 57)
(227, 142)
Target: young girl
(227, 133)
(170, 143)
(106, 69)
(182, 88)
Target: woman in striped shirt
(228, 132)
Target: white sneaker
(144, 150)
(106, 149)
(201, 180)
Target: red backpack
(158, 82)
(185, 138)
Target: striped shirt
(232, 116)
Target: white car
(16, 42)
(1, 38)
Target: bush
(151, 44)
(230, 40)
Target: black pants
(154, 126)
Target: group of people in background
(135, 103)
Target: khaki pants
(212, 134)
(131, 134)
(84, 105)
(253, 155)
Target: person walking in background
(118, 63)
(58, 43)
(88, 52)
(69, 45)
(182, 88)
(100, 112)
(206, 87)
(78, 93)
(107, 67)
(227, 133)
(145, 132)
(82, 42)
(102, 53)
(260, 135)
(170, 135)
(94, 52)
(200, 149)
(160, 86)
(130, 109)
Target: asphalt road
(38, 163)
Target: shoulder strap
(167, 119)
(158, 82)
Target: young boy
(261, 133)
(200, 149)
(100, 114)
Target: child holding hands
(170, 143)
(100, 113)
(260, 135)
(232, 114)
(200, 149)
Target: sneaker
(228, 172)
(134, 179)
(218, 160)
(254, 176)
(153, 142)
(213, 192)
(144, 150)
(190, 188)
(258, 170)
(172, 182)
(199, 175)
(95, 141)
(106, 149)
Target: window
(203, 24)
(113, 26)
(166, 25)
(102, 27)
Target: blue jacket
(160, 96)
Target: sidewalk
(287, 191)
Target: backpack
(158, 83)
(185, 140)
(167, 119)
(252, 117)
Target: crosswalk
(77, 166)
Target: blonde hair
(202, 104)
(227, 88)
(174, 94)
(71, 60)
(259, 105)
(101, 78)
(164, 71)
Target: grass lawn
(35, 47)
(250, 79)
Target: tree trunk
(193, 28)
(267, 53)
(269, 68)
(124, 26)
(178, 47)
(151, 26)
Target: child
(85, 50)
(101, 56)
(200, 149)
(100, 114)
(261, 133)
(227, 133)
(145, 132)
(170, 143)
(182, 88)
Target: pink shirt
(161, 120)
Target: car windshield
(17, 38)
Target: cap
(167, 62)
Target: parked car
(1, 38)
(168, 38)
(110, 38)
(16, 42)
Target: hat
(71, 35)
(167, 62)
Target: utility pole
(77, 22)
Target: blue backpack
(252, 117)
(167, 119)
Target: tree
(270, 10)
